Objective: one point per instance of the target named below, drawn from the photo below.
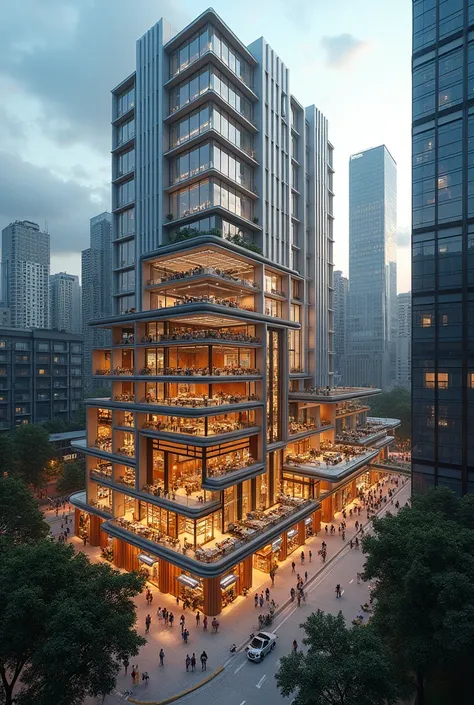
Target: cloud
(403, 237)
(70, 53)
(34, 193)
(342, 49)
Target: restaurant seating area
(194, 401)
(201, 334)
(190, 371)
(330, 454)
(185, 300)
(228, 274)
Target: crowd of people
(193, 401)
(192, 371)
(201, 334)
(207, 299)
(199, 271)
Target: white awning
(148, 560)
(229, 580)
(291, 533)
(188, 581)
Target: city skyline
(69, 155)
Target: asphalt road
(246, 683)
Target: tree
(72, 478)
(395, 404)
(422, 562)
(33, 451)
(343, 666)
(65, 624)
(20, 518)
(7, 453)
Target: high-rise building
(25, 274)
(403, 378)
(40, 376)
(96, 290)
(443, 246)
(216, 452)
(65, 303)
(371, 323)
(341, 294)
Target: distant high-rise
(96, 289)
(65, 302)
(443, 246)
(403, 377)
(372, 317)
(25, 274)
(341, 292)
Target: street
(245, 683)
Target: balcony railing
(228, 371)
(193, 402)
(198, 271)
(202, 334)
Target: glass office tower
(372, 320)
(443, 245)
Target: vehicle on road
(261, 644)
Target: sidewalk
(236, 622)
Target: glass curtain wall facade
(443, 245)
(372, 320)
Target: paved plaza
(239, 619)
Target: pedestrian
(338, 590)
(357, 525)
(310, 556)
(193, 662)
(151, 600)
(84, 538)
(181, 622)
(298, 598)
(272, 577)
(133, 674)
(159, 614)
(137, 677)
(145, 677)
(147, 623)
(298, 578)
(261, 600)
(204, 623)
(177, 600)
(198, 618)
(126, 664)
(256, 599)
(326, 528)
(185, 636)
(204, 661)
(171, 619)
(215, 624)
(292, 594)
(302, 557)
(351, 544)
(358, 578)
(188, 662)
(162, 657)
(267, 595)
(306, 576)
(293, 566)
(343, 535)
(295, 646)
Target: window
(60, 347)
(125, 102)
(125, 162)
(3, 344)
(125, 193)
(427, 321)
(42, 347)
(423, 264)
(450, 89)
(126, 131)
(441, 380)
(450, 16)
(423, 178)
(22, 346)
(424, 90)
(126, 254)
(470, 380)
(126, 281)
(126, 223)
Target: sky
(59, 59)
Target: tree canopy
(20, 517)
(394, 404)
(342, 666)
(32, 453)
(65, 624)
(72, 477)
(422, 562)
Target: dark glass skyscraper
(443, 245)
(372, 320)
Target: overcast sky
(60, 58)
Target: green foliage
(72, 478)
(32, 453)
(341, 666)
(7, 453)
(20, 518)
(65, 624)
(422, 562)
(188, 233)
(396, 405)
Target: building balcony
(202, 431)
(225, 550)
(232, 371)
(351, 408)
(247, 154)
(364, 435)
(209, 94)
(124, 455)
(200, 274)
(297, 430)
(385, 423)
(331, 395)
(230, 474)
(395, 462)
(334, 462)
(206, 336)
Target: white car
(261, 644)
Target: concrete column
(247, 572)
(212, 596)
(77, 522)
(164, 577)
(301, 532)
(94, 530)
(327, 509)
(317, 521)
